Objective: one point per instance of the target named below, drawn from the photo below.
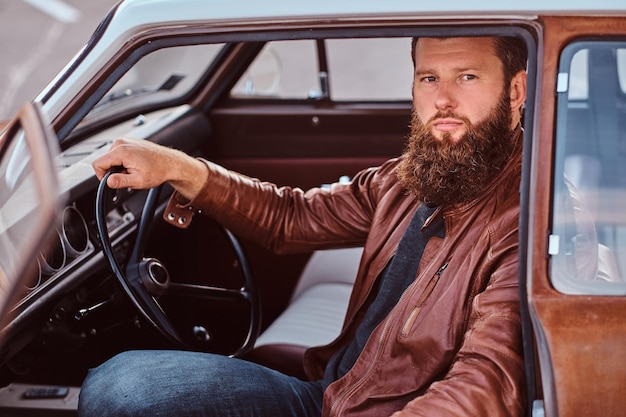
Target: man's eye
(429, 79)
(468, 77)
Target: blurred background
(37, 39)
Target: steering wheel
(145, 280)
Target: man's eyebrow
(473, 68)
(421, 71)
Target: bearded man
(433, 325)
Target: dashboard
(72, 259)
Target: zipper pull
(408, 324)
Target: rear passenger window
(588, 237)
(369, 69)
(283, 69)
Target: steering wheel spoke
(207, 292)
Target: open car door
(576, 289)
(29, 203)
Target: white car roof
(185, 10)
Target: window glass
(357, 70)
(162, 75)
(621, 68)
(283, 69)
(370, 69)
(578, 77)
(588, 238)
(18, 208)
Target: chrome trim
(74, 232)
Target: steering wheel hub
(154, 276)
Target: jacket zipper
(358, 384)
(341, 398)
(408, 324)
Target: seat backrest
(329, 266)
(315, 313)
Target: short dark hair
(511, 51)
(514, 55)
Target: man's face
(462, 121)
(455, 78)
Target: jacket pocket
(408, 324)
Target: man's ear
(518, 90)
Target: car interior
(279, 113)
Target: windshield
(29, 199)
(18, 203)
(162, 76)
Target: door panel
(302, 146)
(576, 307)
(306, 146)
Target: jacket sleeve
(486, 377)
(283, 219)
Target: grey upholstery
(315, 313)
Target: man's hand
(147, 165)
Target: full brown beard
(443, 172)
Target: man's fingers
(104, 163)
(116, 181)
(142, 163)
(127, 179)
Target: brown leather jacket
(452, 344)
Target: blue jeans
(192, 384)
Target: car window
(160, 76)
(579, 77)
(29, 200)
(283, 69)
(304, 69)
(588, 237)
(384, 70)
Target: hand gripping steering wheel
(145, 280)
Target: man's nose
(445, 98)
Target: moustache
(447, 115)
